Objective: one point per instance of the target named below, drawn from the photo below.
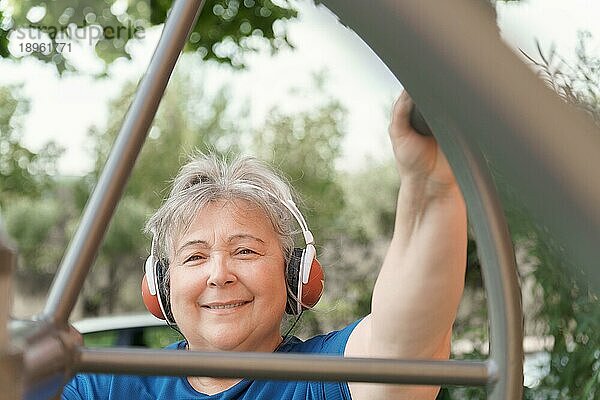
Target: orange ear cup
(312, 291)
(150, 301)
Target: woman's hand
(419, 158)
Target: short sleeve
(77, 389)
(70, 393)
(335, 342)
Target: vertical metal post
(103, 201)
(499, 267)
(7, 261)
(11, 361)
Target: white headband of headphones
(292, 208)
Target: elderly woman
(227, 271)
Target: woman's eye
(246, 251)
(195, 257)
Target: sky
(62, 109)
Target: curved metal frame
(435, 43)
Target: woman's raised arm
(420, 284)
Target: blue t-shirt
(112, 387)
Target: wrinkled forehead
(241, 210)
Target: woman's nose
(220, 273)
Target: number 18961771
(44, 47)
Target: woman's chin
(228, 342)
(218, 343)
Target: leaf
(230, 21)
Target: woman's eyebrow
(230, 239)
(192, 243)
(244, 236)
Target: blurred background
(282, 80)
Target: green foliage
(34, 221)
(100, 339)
(122, 252)
(156, 337)
(226, 31)
(32, 215)
(3, 38)
(22, 172)
(576, 82)
(569, 308)
(159, 337)
(305, 146)
(573, 316)
(371, 195)
(188, 119)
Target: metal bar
(499, 271)
(101, 205)
(283, 367)
(11, 359)
(7, 265)
(11, 366)
(44, 360)
(451, 97)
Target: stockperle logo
(47, 28)
(89, 33)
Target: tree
(3, 38)
(41, 228)
(31, 213)
(226, 31)
(569, 307)
(305, 146)
(23, 172)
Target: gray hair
(207, 178)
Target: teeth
(226, 306)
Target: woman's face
(227, 287)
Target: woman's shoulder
(109, 386)
(330, 343)
(113, 386)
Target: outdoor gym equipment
(480, 98)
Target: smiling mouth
(225, 306)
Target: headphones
(304, 274)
